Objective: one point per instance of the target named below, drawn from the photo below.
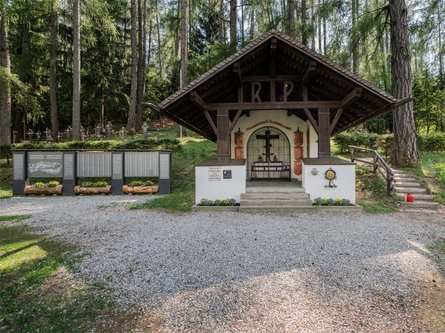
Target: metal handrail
(378, 161)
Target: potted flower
(87, 187)
(140, 187)
(51, 188)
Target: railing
(378, 164)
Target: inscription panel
(117, 166)
(45, 164)
(141, 164)
(95, 164)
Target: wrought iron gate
(268, 154)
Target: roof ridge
(261, 39)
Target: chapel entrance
(268, 155)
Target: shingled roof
(330, 82)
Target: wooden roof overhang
(277, 56)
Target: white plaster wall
(222, 189)
(316, 185)
(280, 116)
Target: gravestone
(123, 132)
(69, 130)
(82, 133)
(145, 129)
(108, 127)
(38, 134)
(14, 136)
(30, 134)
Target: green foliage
(99, 183)
(331, 202)
(141, 183)
(385, 205)
(432, 142)
(439, 172)
(223, 202)
(178, 201)
(14, 217)
(39, 293)
(53, 183)
(39, 185)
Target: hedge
(426, 142)
(130, 143)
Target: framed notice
(214, 174)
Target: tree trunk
(233, 25)
(184, 44)
(354, 48)
(134, 68)
(222, 26)
(159, 42)
(441, 51)
(252, 20)
(5, 91)
(242, 23)
(142, 42)
(312, 25)
(291, 6)
(404, 151)
(303, 22)
(319, 27)
(177, 30)
(325, 51)
(76, 70)
(53, 67)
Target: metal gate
(268, 154)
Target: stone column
(164, 172)
(69, 172)
(19, 172)
(117, 173)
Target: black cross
(267, 137)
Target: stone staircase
(423, 202)
(272, 197)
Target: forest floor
(73, 263)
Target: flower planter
(140, 189)
(43, 190)
(92, 190)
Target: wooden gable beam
(197, 100)
(308, 112)
(351, 97)
(237, 70)
(307, 75)
(334, 121)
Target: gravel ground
(336, 272)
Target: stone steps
(275, 195)
(419, 196)
(274, 189)
(419, 204)
(275, 203)
(423, 202)
(407, 184)
(275, 209)
(411, 190)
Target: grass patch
(14, 217)
(194, 150)
(378, 207)
(5, 179)
(38, 291)
(438, 247)
(178, 201)
(371, 190)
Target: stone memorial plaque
(214, 174)
(94, 164)
(142, 164)
(45, 164)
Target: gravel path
(240, 272)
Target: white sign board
(214, 174)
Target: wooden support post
(223, 141)
(324, 143)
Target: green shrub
(432, 142)
(439, 171)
